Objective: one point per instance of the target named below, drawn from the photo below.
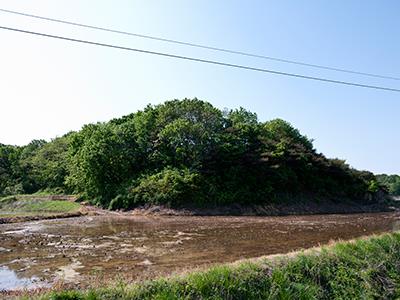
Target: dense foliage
(391, 182)
(36, 166)
(179, 153)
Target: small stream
(87, 250)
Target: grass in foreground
(364, 269)
(25, 206)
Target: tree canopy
(391, 182)
(181, 152)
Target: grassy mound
(363, 269)
(29, 206)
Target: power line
(202, 46)
(203, 60)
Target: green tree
(391, 182)
(101, 157)
(47, 165)
(10, 182)
(180, 152)
(187, 132)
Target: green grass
(23, 205)
(364, 269)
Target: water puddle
(91, 249)
(9, 280)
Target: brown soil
(309, 208)
(17, 219)
(94, 251)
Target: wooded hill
(178, 153)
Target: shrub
(171, 187)
(373, 186)
(14, 190)
(119, 202)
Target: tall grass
(363, 269)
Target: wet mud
(91, 249)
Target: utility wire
(202, 60)
(201, 46)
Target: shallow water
(9, 280)
(88, 250)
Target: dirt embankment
(60, 197)
(16, 219)
(281, 209)
(305, 208)
(84, 210)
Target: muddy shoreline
(309, 208)
(368, 248)
(62, 286)
(290, 209)
(19, 219)
(89, 250)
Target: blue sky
(50, 87)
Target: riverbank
(22, 208)
(276, 209)
(365, 268)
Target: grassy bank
(362, 269)
(32, 207)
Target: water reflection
(10, 280)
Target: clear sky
(49, 87)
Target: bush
(119, 202)
(171, 187)
(14, 190)
(390, 182)
(373, 186)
